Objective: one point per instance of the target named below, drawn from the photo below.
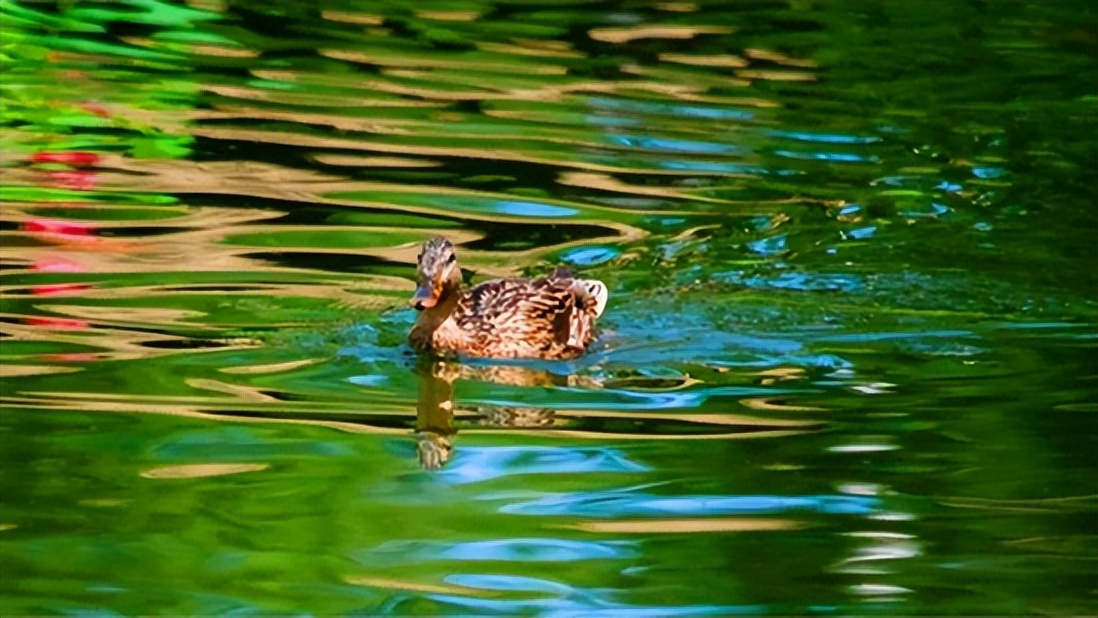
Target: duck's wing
(519, 312)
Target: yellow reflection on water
(191, 471)
(414, 586)
(11, 370)
(624, 35)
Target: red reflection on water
(75, 158)
(74, 230)
(79, 357)
(53, 264)
(58, 289)
(56, 323)
(64, 232)
(96, 108)
(80, 180)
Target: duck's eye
(453, 258)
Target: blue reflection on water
(849, 209)
(508, 550)
(533, 209)
(631, 503)
(827, 138)
(720, 167)
(936, 210)
(583, 608)
(1038, 325)
(895, 181)
(625, 399)
(676, 145)
(589, 256)
(368, 380)
(809, 282)
(948, 334)
(837, 157)
(861, 233)
(988, 173)
(566, 600)
(521, 208)
(475, 464)
(769, 246)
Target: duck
(550, 318)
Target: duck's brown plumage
(550, 317)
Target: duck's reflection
(434, 416)
(435, 407)
(439, 417)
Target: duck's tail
(591, 288)
(591, 298)
(597, 291)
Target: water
(847, 365)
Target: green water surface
(847, 366)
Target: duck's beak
(425, 297)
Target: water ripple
(477, 464)
(632, 503)
(508, 550)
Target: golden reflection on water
(768, 404)
(414, 586)
(198, 408)
(360, 19)
(273, 367)
(443, 62)
(624, 35)
(109, 343)
(434, 417)
(191, 471)
(160, 316)
(12, 370)
(719, 60)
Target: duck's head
(436, 272)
